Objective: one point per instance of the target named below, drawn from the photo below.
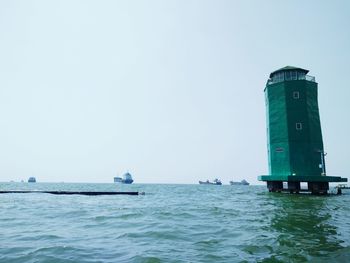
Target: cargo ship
(243, 182)
(126, 179)
(31, 180)
(215, 182)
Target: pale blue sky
(171, 91)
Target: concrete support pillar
(318, 187)
(294, 187)
(275, 186)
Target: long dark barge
(70, 192)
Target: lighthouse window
(274, 78)
(296, 95)
(301, 75)
(298, 126)
(278, 77)
(293, 75)
(288, 77)
(281, 76)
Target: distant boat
(215, 182)
(126, 179)
(243, 182)
(342, 186)
(118, 179)
(31, 180)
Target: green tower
(294, 137)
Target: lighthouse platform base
(315, 184)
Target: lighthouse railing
(277, 80)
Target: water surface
(172, 223)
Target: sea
(172, 223)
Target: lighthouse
(294, 138)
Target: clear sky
(171, 91)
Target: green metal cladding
(294, 136)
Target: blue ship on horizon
(126, 179)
